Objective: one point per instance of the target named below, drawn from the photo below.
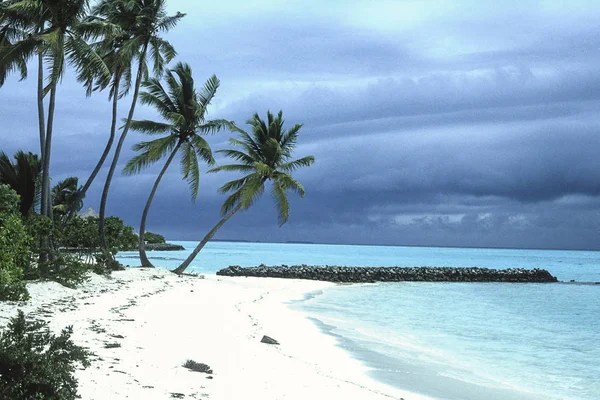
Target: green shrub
(82, 233)
(153, 238)
(67, 269)
(35, 364)
(15, 254)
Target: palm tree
(265, 155)
(118, 55)
(65, 198)
(143, 20)
(59, 35)
(22, 177)
(184, 110)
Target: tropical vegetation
(36, 364)
(116, 46)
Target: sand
(159, 321)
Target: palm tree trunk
(115, 160)
(143, 258)
(46, 204)
(40, 104)
(113, 128)
(209, 235)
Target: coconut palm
(265, 155)
(143, 21)
(184, 110)
(118, 54)
(22, 176)
(65, 198)
(60, 35)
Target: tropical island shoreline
(143, 324)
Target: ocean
(467, 341)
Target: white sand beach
(161, 320)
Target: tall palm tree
(22, 176)
(184, 110)
(60, 36)
(144, 20)
(118, 55)
(265, 155)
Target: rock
(392, 274)
(268, 340)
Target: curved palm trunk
(40, 104)
(46, 206)
(113, 128)
(209, 235)
(45, 209)
(115, 160)
(143, 258)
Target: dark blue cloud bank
(472, 124)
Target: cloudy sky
(452, 123)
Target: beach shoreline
(143, 324)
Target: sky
(433, 123)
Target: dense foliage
(35, 364)
(14, 247)
(154, 238)
(82, 234)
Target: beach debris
(268, 340)
(177, 395)
(111, 345)
(197, 367)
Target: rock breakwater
(392, 274)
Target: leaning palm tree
(184, 110)
(22, 176)
(265, 155)
(143, 20)
(118, 54)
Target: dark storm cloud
(433, 123)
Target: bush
(82, 233)
(14, 247)
(67, 269)
(153, 238)
(34, 364)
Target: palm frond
(168, 23)
(151, 152)
(208, 93)
(150, 127)
(189, 168)
(289, 183)
(202, 149)
(214, 126)
(238, 155)
(233, 185)
(232, 168)
(283, 206)
(299, 163)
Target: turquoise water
(449, 340)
